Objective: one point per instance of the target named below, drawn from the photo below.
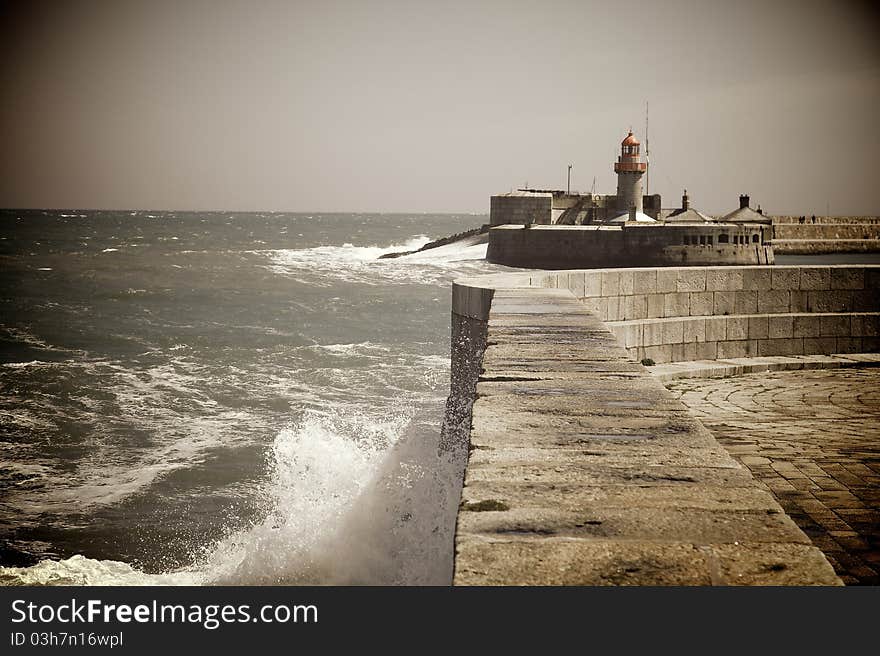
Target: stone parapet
(748, 335)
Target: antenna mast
(647, 154)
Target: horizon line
(232, 211)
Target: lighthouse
(629, 168)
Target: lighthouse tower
(629, 168)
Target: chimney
(760, 211)
(743, 200)
(632, 213)
(685, 201)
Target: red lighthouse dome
(630, 140)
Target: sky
(411, 106)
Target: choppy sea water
(201, 398)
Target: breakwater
(599, 246)
(793, 235)
(583, 469)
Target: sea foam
(351, 500)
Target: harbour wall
(835, 220)
(826, 234)
(570, 247)
(835, 231)
(583, 469)
(521, 208)
(824, 246)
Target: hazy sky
(415, 106)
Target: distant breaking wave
(350, 263)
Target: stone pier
(585, 470)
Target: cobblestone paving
(813, 439)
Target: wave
(354, 349)
(323, 265)
(79, 570)
(225, 407)
(30, 364)
(349, 253)
(352, 498)
(113, 469)
(24, 336)
(473, 248)
(318, 468)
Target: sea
(232, 398)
